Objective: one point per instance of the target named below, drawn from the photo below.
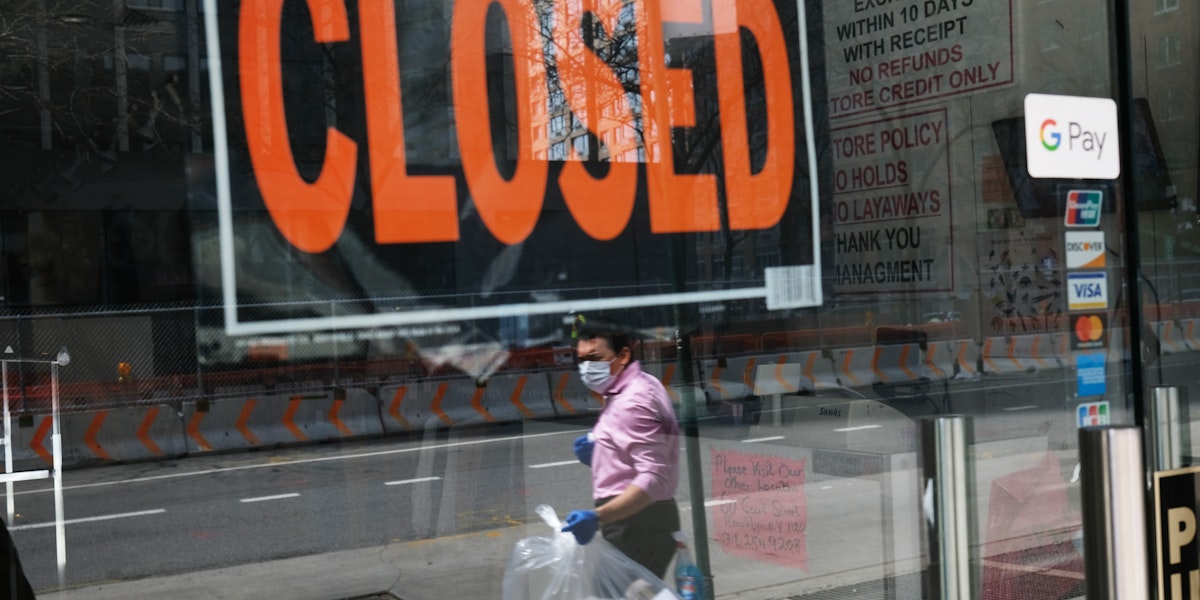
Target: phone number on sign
(770, 543)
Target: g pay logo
(1054, 135)
(1071, 137)
(1085, 249)
(1083, 208)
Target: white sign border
(234, 326)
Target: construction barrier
(728, 378)
(855, 367)
(241, 423)
(792, 372)
(571, 397)
(898, 363)
(1170, 337)
(101, 436)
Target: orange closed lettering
(678, 202)
(407, 209)
(509, 208)
(587, 84)
(309, 215)
(755, 200)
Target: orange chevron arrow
(558, 392)
(337, 421)
(715, 382)
(36, 441)
(779, 374)
(477, 404)
(143, 431)
(436, 407)
(516, 398)
(875, 364)
(987, 353)
(846, 367)
(904, 363)
(243, 422)
(668, 373)
(290, 414)
(929, 361)
(394, 409)
(961, 358)
(748, 372)
(808, 368)
(193, 431)
(89, 437)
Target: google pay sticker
(1089, 375)
(1087, 290)
(1071, 137)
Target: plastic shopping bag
(556, 567)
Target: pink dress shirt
(637, 438)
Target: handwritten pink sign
(765, 512)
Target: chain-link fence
(170, 354)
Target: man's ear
(625, 356)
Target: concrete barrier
(855, 367)
(668, 374)
(424, 403)
(102, 436)
(127, 434)
(571, 397)
(1169, 336)
(241, 423)
(898, 363)
(730, 378)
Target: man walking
(633, 450)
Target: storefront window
(318, 266)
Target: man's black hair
(617, 336)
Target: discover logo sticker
(1085, 249)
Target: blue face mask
(597, 375)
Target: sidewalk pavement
(461, 566)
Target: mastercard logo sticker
(1089, 332)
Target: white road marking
(140, 513)
(859, 428)
(1015, 408)
(827, 487)
(406, 481)
(300, 461)
(554, 464)
(266, 498)
(764, 439)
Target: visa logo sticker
(1089, 375)
(1085, 249)
(1091, 414)
(1087, 291)
(1083, 208)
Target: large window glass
(319, 268)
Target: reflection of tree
(698, 149)
(94, 77)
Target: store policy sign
(507, 174)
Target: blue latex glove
(583, 524)
(583, 449)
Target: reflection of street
(134, 521)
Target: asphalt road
(135, 521)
